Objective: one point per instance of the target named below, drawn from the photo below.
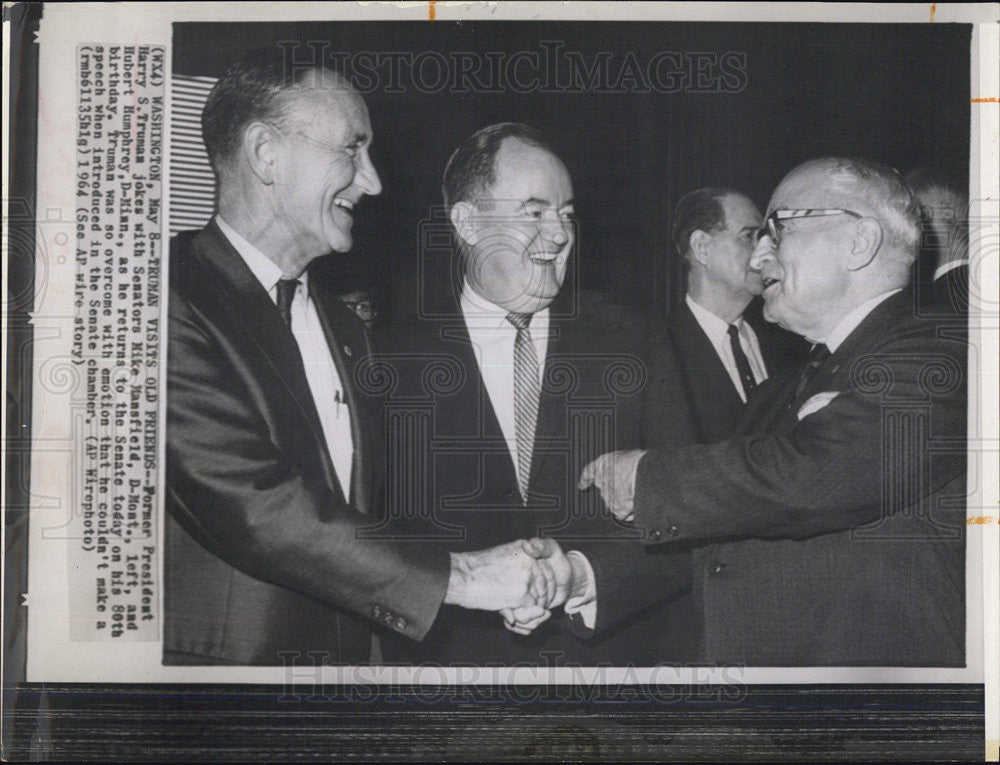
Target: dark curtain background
(898, 93)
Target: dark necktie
(742, 363)
(527, 392)
(286, 293)
(817, 356)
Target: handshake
(523, 580)
(526, 579)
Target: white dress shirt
(493, 345)
(492, 339)
(321, 371)
(949, 266)
(717, 331)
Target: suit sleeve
(250, 503)
(865, 453)
(629, 579)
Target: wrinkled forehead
(821, 187)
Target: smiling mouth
(769, 280)
(544, 257)
(344, 204)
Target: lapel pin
(347, 350)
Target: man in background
(943, 274)
(713, 351)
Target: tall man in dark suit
(272, 461)
(542, 379)
(712, 351)
(829, 529)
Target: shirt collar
(950, 266)
(712, 324)
(850, 322)
(481, 313)
(263, 268)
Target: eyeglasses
(772, 223)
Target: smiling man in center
(544, 378)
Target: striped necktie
(527, 392)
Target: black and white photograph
(559, 353)
(561, 241)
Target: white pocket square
(817, 402)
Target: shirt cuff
(583, 597)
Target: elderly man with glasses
(829, 530)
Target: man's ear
(865, 244)
(260, 150)
(698, 244)
(462, 215)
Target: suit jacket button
(655, 534)
(400, 623)
(716, 567)
(673, 531)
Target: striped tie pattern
(527, 392)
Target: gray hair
(887, 197)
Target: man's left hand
(614, 476)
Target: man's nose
(367, 178)
(557, 230)
(763, 252)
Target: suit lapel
(551, 408)
(455, 340)
(698, 360)
(870, 328)
(249, 305)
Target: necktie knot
(819, 353)
(286, 293)
(733, 331)
(519, 320)
(817, 356)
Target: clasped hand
(614, 476)
(523, 580)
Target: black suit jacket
(265, 557)
(833, 536)
(950, 292)
(446, 447)
(691, 398)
